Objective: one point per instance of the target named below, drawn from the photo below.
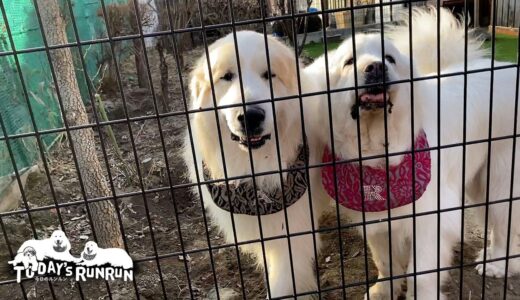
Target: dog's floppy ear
(199, 85)
(283, 58)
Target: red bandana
(374, 180)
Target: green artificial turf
(505, 48)
(314, 50)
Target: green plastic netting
(14, 111)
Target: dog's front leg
(279, 267)
(431, 244)
(378, 241)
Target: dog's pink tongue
(373, 98)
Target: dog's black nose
(252, 119)
(375, 72)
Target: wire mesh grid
(177, 251)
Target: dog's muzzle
(251, 127)
(376, 95)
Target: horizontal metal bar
(200, 29)
(292, 97)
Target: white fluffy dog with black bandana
(254, 130)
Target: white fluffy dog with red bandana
(253, 130)
(438, 184)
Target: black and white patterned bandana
(87, 256)
(243, 197)
(59, 248)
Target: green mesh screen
(26, 33)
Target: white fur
(44, 249)
(207, 147)
(115, 257)
(450, 188)
(424, 39)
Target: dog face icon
(29, 258)
(60, 243)
(29, 252)
(90, 250)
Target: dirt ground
(150, 283)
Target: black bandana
(89, 256)
(243, 197)
(59, 248)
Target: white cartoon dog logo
(56, 247)
(28, 258)
(92, 255)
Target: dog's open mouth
(253, 141)
(374, 99)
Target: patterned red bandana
(374, 180)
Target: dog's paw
(381, 291)
(427, 296)
(494, 269)
(378, 296)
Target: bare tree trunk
(104, 216)
(305, 29)
(164, 76)
(164, 23)
(140, 64)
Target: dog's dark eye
(266, 75)
(390, 59)
(228, 76)
(349, 61)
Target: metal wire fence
(177, 250)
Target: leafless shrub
(121, 20)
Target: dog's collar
(88, 256)
(374, 180)
(243, 198)
(59, 248)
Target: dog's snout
(375, 72)
(375, 68)
(252, 119)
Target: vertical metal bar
(359, 148)
(9, 249)
(251, 163)
(387, 163)
(39, 142)
(102, 143)
(304, 136)
(20, 185)
(464, 140)
(183, 93)
(333, 152)
(56, 85)
(219, 133)
(488, 167)
(412, 138)
(513, 160)
(439, 150)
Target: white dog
(56, 247)
(92, 255)
(253, 128)
(376, 102)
